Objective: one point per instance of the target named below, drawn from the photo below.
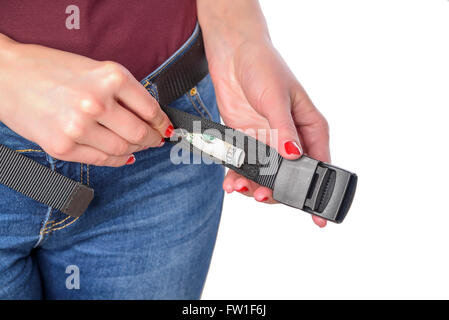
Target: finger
(275, 105)
(128, 126)
(316, 137)
(89, 155)
(228, 182)
(235, 182)
(312, 125)
(243, 186)
(264, 194)
(138, 100)
(320, 222)
(107, 141)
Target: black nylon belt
(42, 184)
(308, 184)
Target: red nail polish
(131, 160)
(264, 199)
(169, 131)
(291, 147)
(162, 142)
(242, 189)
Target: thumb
(277, 110)
(289, 145)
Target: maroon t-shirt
(140, 34)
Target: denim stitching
(29, 150)
(202, 105)
(55, 224)
(46, 225)
(195, 106)
(64, 226)
(48, 215)
(43, 228)
(52, 227)
(153, 91)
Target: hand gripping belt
(307, 184)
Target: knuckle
(60, 148)
(151, 112)
(139, 135)
(90, 105)
(100, 160)
(74, 129)
(120, 149)
(115, 73)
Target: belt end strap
(42, 184)
(78, 200)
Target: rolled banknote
(214, 147)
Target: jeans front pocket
(198, 103)
(200, 100)
(14, 141)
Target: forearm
(231, 22)
(6, 46)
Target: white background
(379, 72)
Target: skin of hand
(255, 89)
(77, 109)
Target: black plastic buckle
(315, 187)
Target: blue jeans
(148, 234)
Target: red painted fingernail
(131, 160)
(162, 142)
(169, 131)
(291, 147)
(242, 189)
(264, 199)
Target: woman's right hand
(77, 109)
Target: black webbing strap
(43, 184)
(182, 75)
(249, 169)
(306, 183)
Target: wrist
(6, 45)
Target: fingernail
(161, 143)
(243, 189)
(264, 199)
(169, 131)
(131, 160)
(291, 147)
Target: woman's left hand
(255, 89)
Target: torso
(140, 34)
